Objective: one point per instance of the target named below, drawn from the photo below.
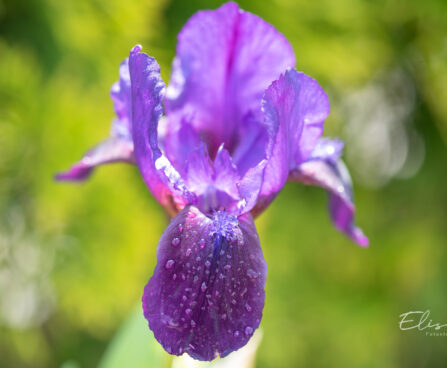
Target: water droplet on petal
(236, 333)
(184, 298)
(223, 316)
(233, 301)
(196, 278)
(252, 274)
(248, 308)
(169, 264)
(175, 242)
(207, 264)
(203, 287)
(248, 330)
(174, 276)
(244, 292)
(193, 323)
(202, 243)
(188, 252)
(227, 267)
(188, 311)
(180, 228)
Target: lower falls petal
(207, 293)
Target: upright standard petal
(207, 293)
(294, 108)
(160, 176)
(327, 170)
(226, 58)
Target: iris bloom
(215, 147)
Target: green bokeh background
(74, 258)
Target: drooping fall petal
(207, 293)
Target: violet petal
(114, 149)
(207, 293)
(226, 58)
(330, 173)
(159, 175)
(294, 107)
(122, 101)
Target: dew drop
(252, 274)
(180, 228)
(175, 242)
(196, 278)
(202, 243)
(223, 316)
(248, 330)
(184, 298)
(198, 259)
(236, 333)
(227, 267)
(174, 276)
(188, 311)
(169, 264)
(203, 287)
(207, 264)
(188, 252)
(244, 292)
(248, 308)
(193, 324)
(233, 301)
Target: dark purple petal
(122, 102)
(160, 176)
(207, 293)
(226, 58)
(294, 107)
(115, 149)
(333, 176)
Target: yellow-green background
(74, 258)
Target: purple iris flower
(214, 148)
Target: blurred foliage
(74, 258)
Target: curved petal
(207, 293)
(159, 175)
(115, 149)
(330, 173)
(121, 95)
(226, 58)
(294, 108)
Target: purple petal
(180, 141)
(327, 149)
(207, 293)
(226, 58)
(251, 145)
(122, 101)
(160, 176)
(334, 177)
(214, 183)
(294, 107)
(115, 149)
